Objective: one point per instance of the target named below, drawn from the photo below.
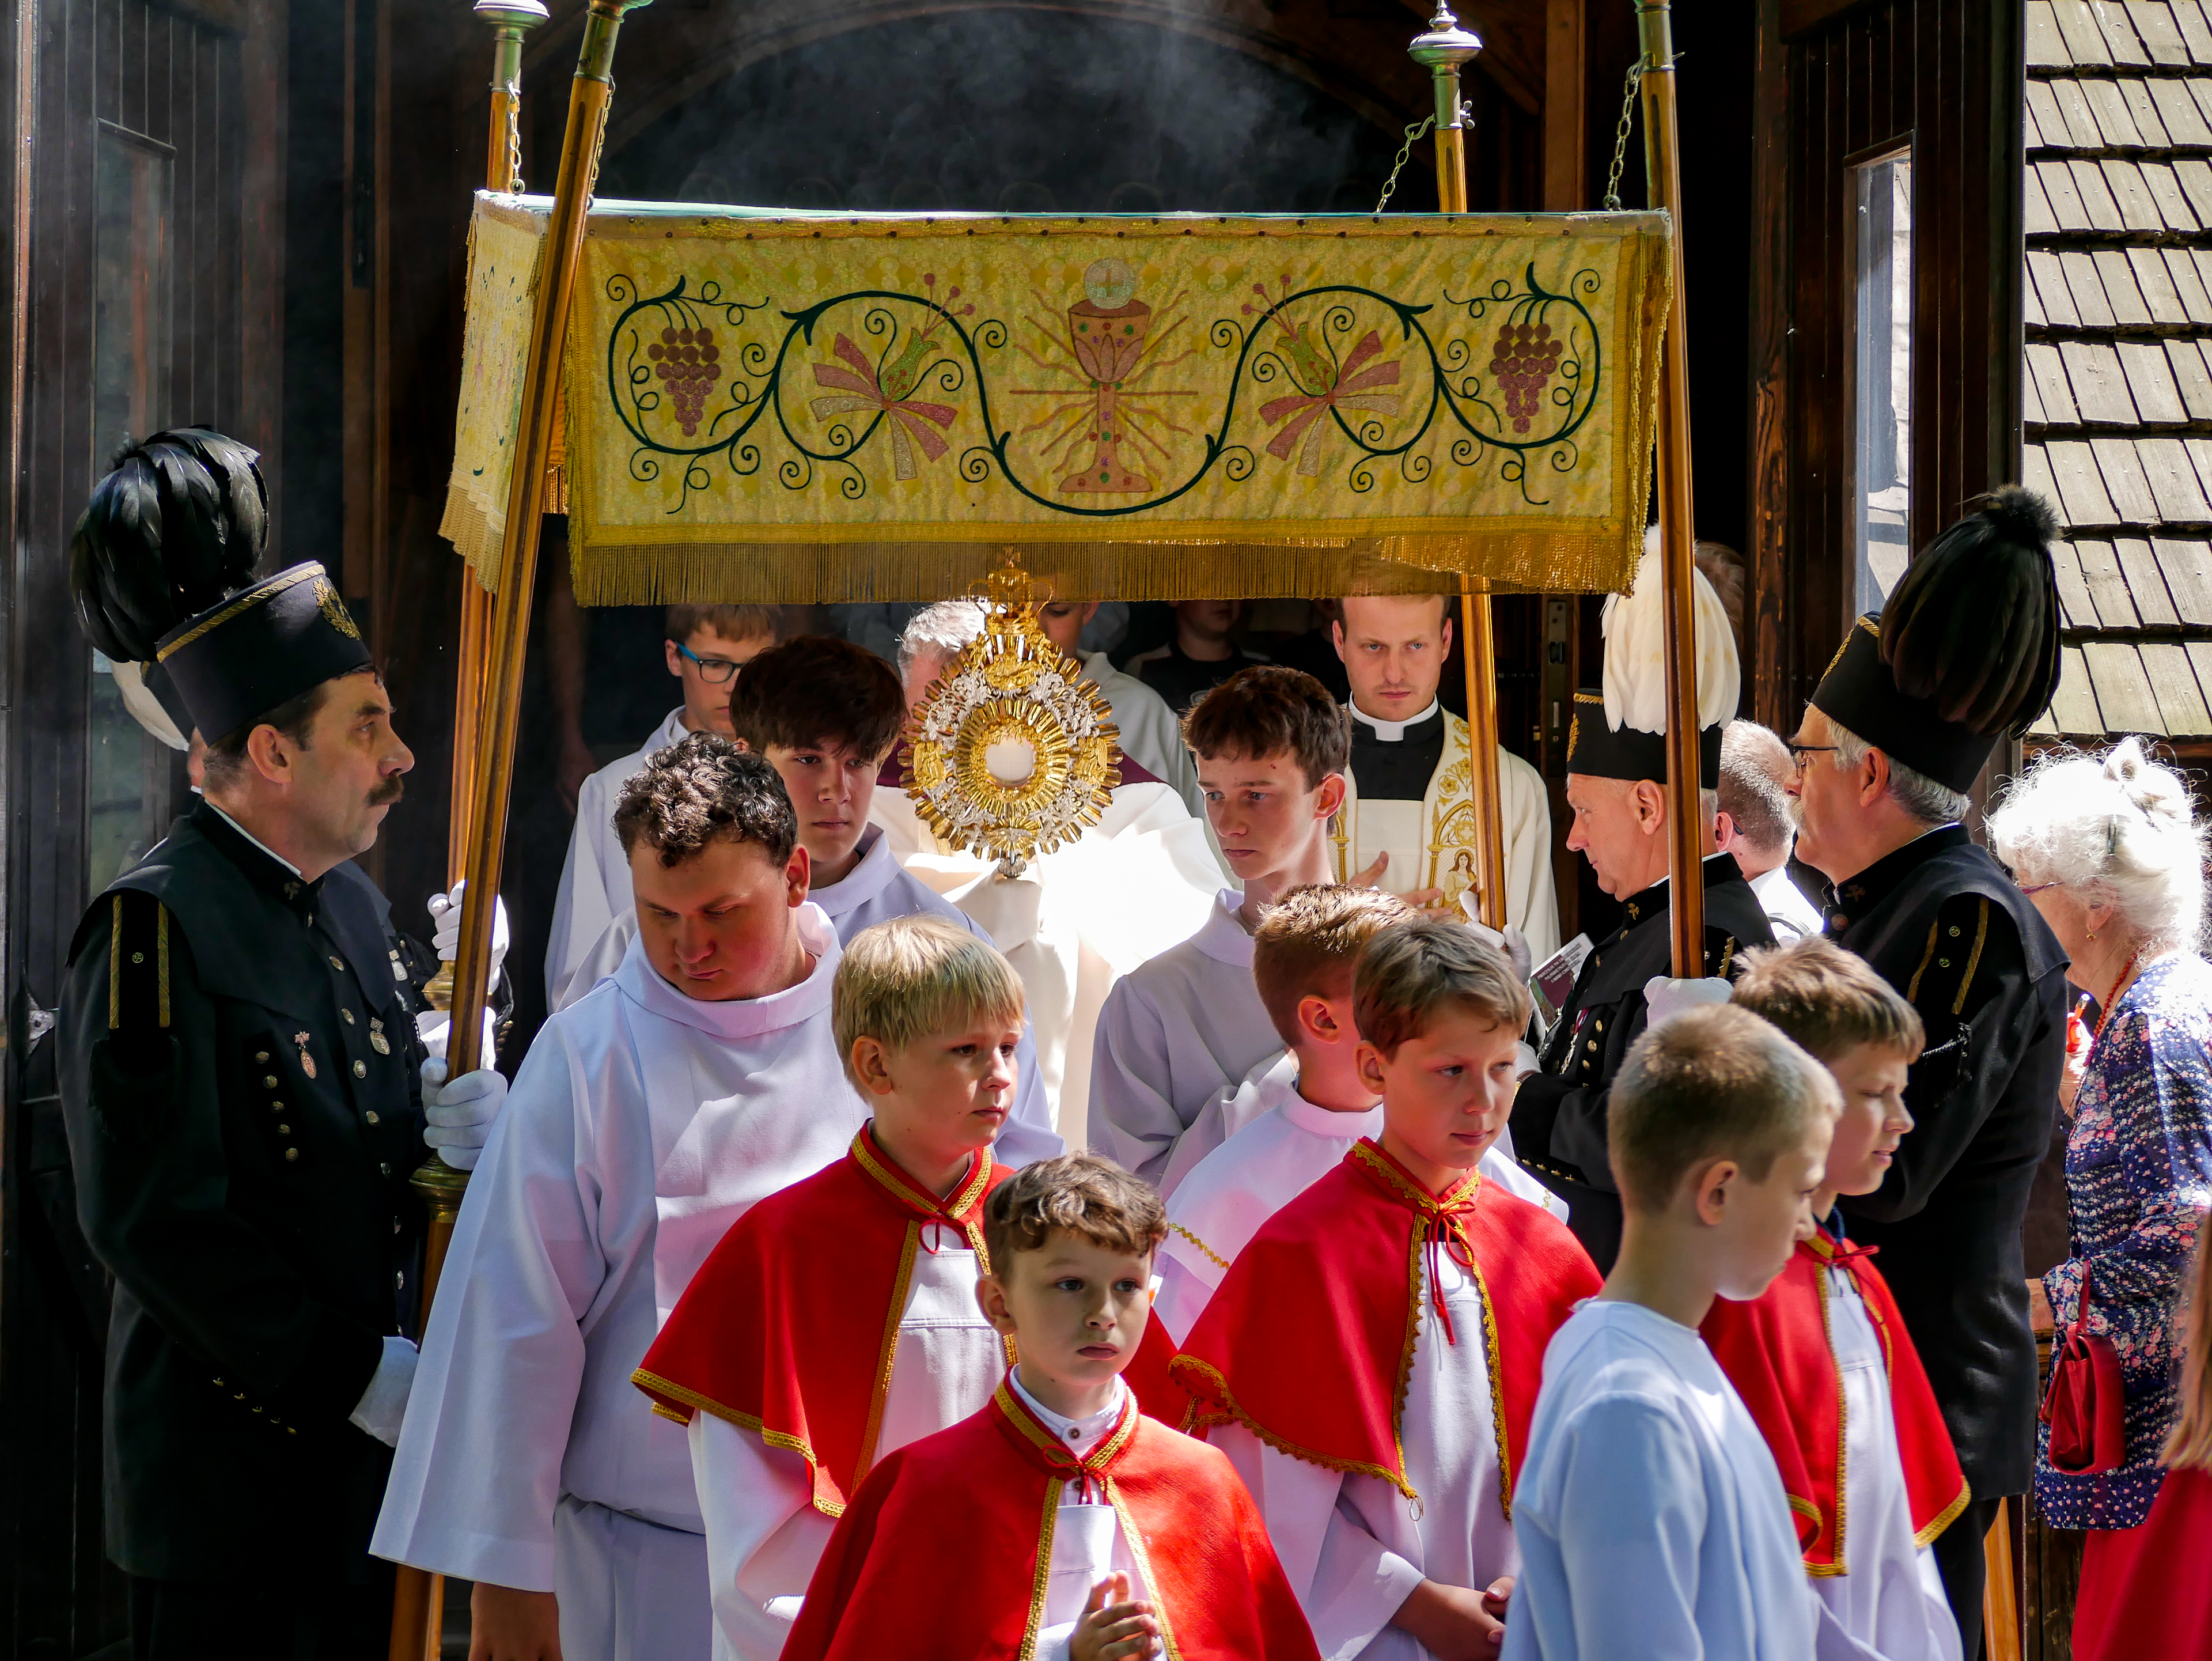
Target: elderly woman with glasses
(2109, 849)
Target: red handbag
(2086, 1405)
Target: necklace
(2104, 1007)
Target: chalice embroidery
(1106, 395)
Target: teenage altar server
(1381, 1430)
(706, 646)
(1270, 744)
(1410, 789)
(1060, 1523)
(1294, 1118)
(1651, 1519)
(697, 1080)
(826, 713)
(1822, 1359)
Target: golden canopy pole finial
(414, 1611)
(1677, 537)
(1442, 51)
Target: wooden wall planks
(1945, 77)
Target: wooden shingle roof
(2117, 390)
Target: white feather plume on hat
(1635, 625)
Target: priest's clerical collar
(1393, 732)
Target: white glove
(446, 920)
(1513, 943)
(1664, 998)
(461, 1114)
(432, 1025)
(384, 1403)
(1524, 1062)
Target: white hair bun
(2156, 792)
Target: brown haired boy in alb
(1175, 1031)
(1371, 1357)
(1822, 1358)
(1059, 1524)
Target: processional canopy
(776, 406)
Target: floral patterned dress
(2138, 1179)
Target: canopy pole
(1442, 51)
(510, 20)
(1677, 536)
(414, 1637)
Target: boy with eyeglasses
(705, 646)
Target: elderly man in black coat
(1898, 729)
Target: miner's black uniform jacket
(1560, 1113)
(1945, 925)
(244, 1109)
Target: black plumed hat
(1965, 651)
(162, 566)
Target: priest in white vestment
(706, 646)
(1411, 772)
(700, 1078)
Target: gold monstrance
(1013, 752)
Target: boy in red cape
(1370, 1361)
(1059, 1524)
(837, 1321)
(1822, 1359)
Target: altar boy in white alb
(825, 713)
(700, 1078)
(1271, 746)
(1370, 1361)
(1651, 1518)
(706, 647)
(1294, 1120)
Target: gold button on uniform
(337, 962)
(348, 1013)
(361, 1069)
(291, 1152)
(372, 1118)
(269, 1081)
(261, 1055)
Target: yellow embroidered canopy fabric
(779, 407)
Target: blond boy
(837, 1321)
(1651, 1517)
(1378, 1413)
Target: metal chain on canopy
(1414, 135)
(1628, 97)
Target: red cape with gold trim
(789, 1327)
(1777, 1352)
(945, 1552)
(1329, 1387)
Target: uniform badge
(377, 1041)
(307, 1062)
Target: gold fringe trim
(1945, 1518)
(1212, 1255)
(1041, 1576)
(654, 1384)
(1229, 1412)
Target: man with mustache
(242, 1082)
